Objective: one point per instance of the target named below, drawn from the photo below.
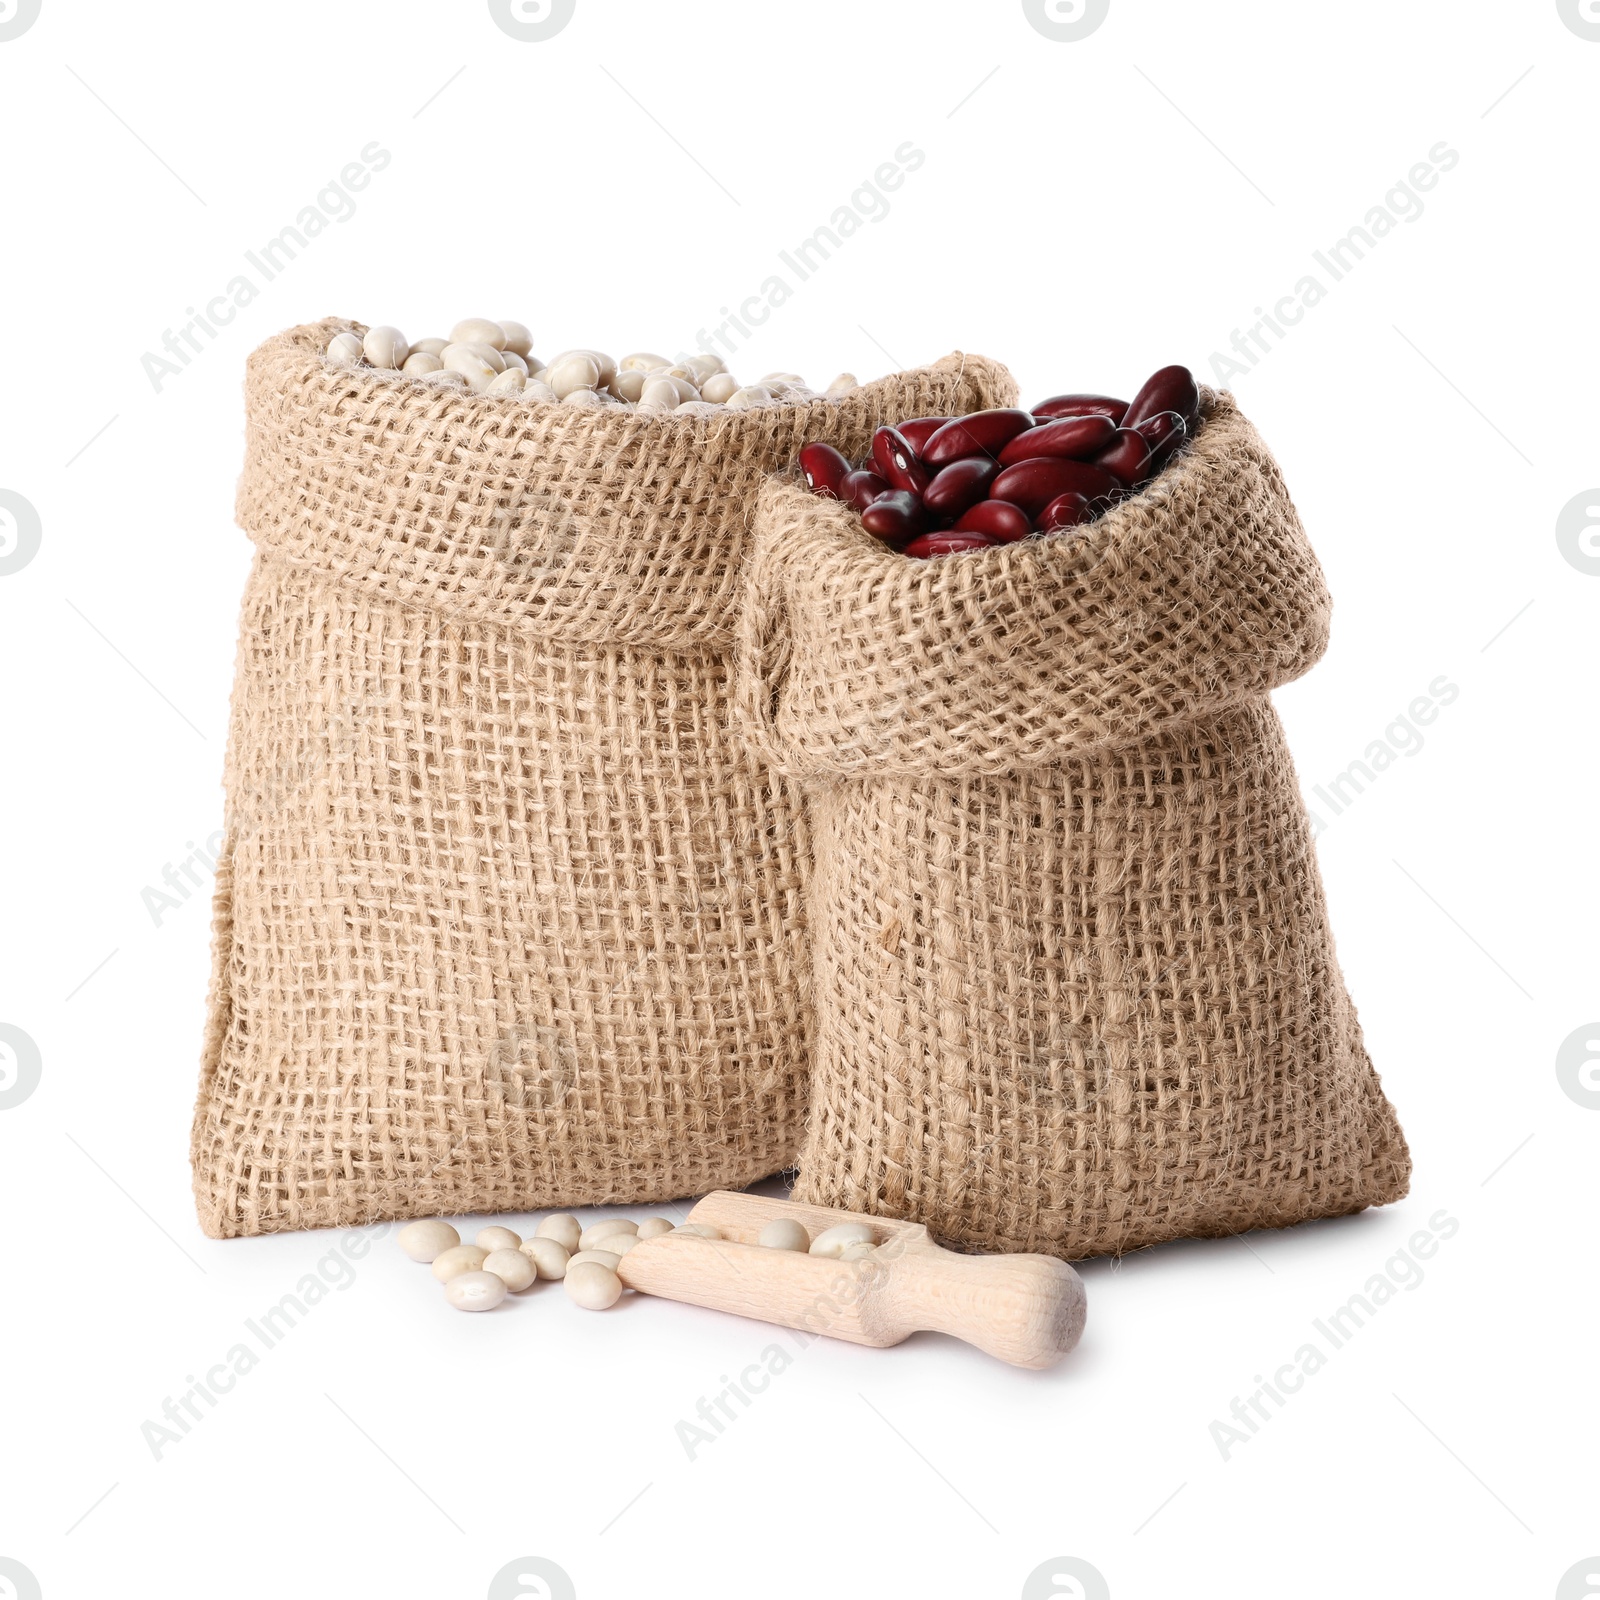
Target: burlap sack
(1073, 980)
(506, 916)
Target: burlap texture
(1073, 981)
(507, 916)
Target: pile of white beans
(496, 358)
(479, 1276)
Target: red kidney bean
(1161, 427)
(1065, 511)
(897, 462)
(947, 543)
(919, 430)
(824, 468)
(894, 516)
(1034, 484)
(961, 484)
(1056, 467)
(1082, 438)
(1127, 459)
(1082, 405)
(1001, 520)
(861, 488)
(984, 433)
(1164, 433)
(1170, 389)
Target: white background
(1087, 211)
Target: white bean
(486, 356)
(654, 1227)
(473, 362)
(698, 1230)
(784, 1233)
(479, 330)
(512, 1268)
(596, 1231)
(423, 1241)
(593, 1286)
(681, 379)
(606, 1258)
(857, 1251)
(549, 1256)
(516, 335)
(569, 372)
(385, 347)
(460, 1258)
(618, 1244)
(628, 384)
(662, 391)
(498, 1239)
(563, 1227)
(832, 1240)
(344, 350)
(475, 1291)
(605, 368)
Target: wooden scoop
(1025, 1309)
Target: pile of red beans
(936, 485)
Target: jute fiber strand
(1074, 985)
(507, 915)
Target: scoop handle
(1028, 1310)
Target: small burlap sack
(1073, 981)
(506, 915)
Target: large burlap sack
(1074, 985)
(506, 916)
